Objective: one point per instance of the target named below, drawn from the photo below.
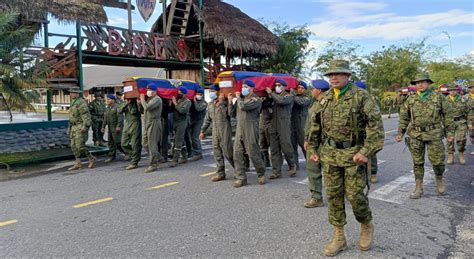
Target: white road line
(379, 162)
(390, 131)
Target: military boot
(373, 178)
(440, 185)
(218, 177)
(462, 161)
(472, 153)
(313, 203)
(174, 163)
(292, 171)
(108, 160)
(91, 161)
(239, 183)
(338, 242)
(450, 158)
(275, 175)
(131, 166)
(150, 169)
(261, 180)
(418, 189)
(77, 165)
(366, 236)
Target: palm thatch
(226, 25)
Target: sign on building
(146, 8)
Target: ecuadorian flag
(167, 88)
(261, 80)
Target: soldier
(299, 115)
(402, 96)
(79, 123)
(97, 109)
(246, 138)
(373, 158)
(218, 114)
(119, 98)
(424, 114)
(114, 121)
(313, 169)
(280, 132)
(152, 108)
(469, 97)
(264, 124)
(352, 128)
(180, 123)
(132, 132)
(460, 110)
(197, 112)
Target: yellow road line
(162, 185)
(208, 174)
(92, 202)
(9, 222)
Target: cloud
(369, 20)
(119, 21)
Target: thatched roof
(227, 25)
(88, 11)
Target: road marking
(92, 202)
(379, 162)
(208, 174)
(9, 222)
(390, 131)
(397, 191)
(162, 186)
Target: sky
(370, 24)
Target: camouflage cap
(338, 66)
(421, 77)
(75, 90)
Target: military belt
(343, 144)
(425, 128)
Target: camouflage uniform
(79, 118)
(113, 119)
(97, 109)
(424, 121)
(470, 116)
(218, 115)
(132, 131)
(351, 125)
(299, 115)
(459, 109)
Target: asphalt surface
(47, 215)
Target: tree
(19, 73)
(292, 51)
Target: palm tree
(20, 74)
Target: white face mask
(149, 93)
(279, 89)
(199, 97)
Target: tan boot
(275, 175)
(261, 180)
(366, 236)
(450, 159)
(292, 172)
(373, 178)
(217, 178)
(462, 161)
(91, 161)
(77, 165)
(240, 183)
(418, 189)
(313, 203)
(337, 244)
(440, 185)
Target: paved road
(178, 212)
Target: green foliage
(292, 52)
(448, 72)
(19, 73)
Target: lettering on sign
(225, 84)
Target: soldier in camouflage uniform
(79, 123)
(132, 132)
(313, 169)
(246, 136)
(459, 109)
(114, 121)
(218, 115)
(280, 131)
(469, 97)
(180, 122)
(299, 115)
(97, 109)
(347, 125)
(153, 128)
(424, 114)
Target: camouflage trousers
(78, 142)
(349, 182)
(436, 155)
(315, 179)
(459, 137)
(97, 134)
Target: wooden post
(164, 17)
(129, 10)
(48, 91)
(80, 80)
(201, 47)
(241, 60)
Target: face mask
(213, 95)
(245, 91)
(179, 96)
(279, 89)
(199, 97)
(149, 93)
